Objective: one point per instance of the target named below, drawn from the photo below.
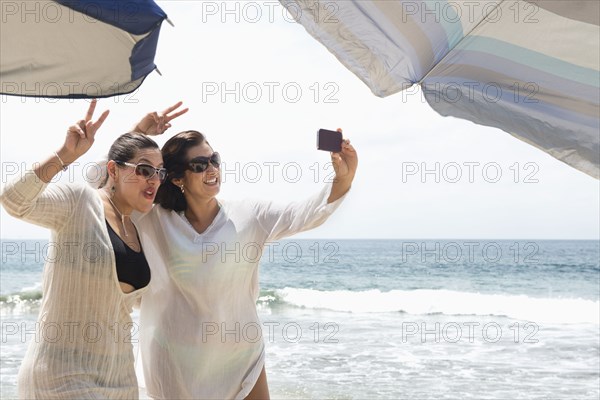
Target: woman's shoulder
(157, 213)
(246, 207)
(82, 190)
(79, 193)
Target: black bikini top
(132, 267)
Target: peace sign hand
(80, 136)
(157, 123)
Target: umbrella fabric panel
(536, 78)
(64, 53)
(530, 68)
(388, 44)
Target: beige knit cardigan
(82, 344)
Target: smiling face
(202, 185)
(135, 192)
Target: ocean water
(396, 319)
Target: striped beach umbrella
(530, 68)
(77, 49)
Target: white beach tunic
(198, 318)
(81, 347)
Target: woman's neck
(201, 212)
(119, 218)
(120, 206)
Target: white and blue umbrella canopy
(530, 68)
(77, 49)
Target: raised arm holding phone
(194, 291)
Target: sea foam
(448, 302)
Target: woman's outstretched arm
(280, 221)
(28, 198)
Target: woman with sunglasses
(200, 331)
(95, 271)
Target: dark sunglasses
(200, 164)
(146, 171)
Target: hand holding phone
(329, 140)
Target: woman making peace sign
(96, 269)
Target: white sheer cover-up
(198, 319)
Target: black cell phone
(329, 140)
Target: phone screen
(329, 140)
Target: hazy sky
(260, 87)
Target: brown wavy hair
(174, 154)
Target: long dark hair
(174, 154)
(126, 147)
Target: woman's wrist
(52, 166)
(343, 181)
(65, 157)
(137, 129)
(340, 187)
